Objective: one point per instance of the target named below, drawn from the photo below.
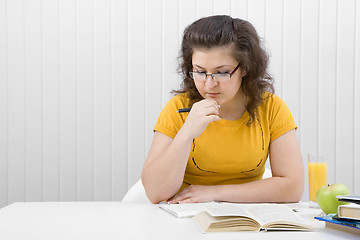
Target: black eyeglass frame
(191, 74)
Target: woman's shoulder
(270, 98)
(272, 103)
(170, 121)
(176, 102)
(180, 100)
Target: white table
(123, 221)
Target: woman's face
(218, 60)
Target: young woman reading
(216, 151)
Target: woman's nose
(210, 82)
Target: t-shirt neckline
(234, 123)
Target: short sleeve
(281, 119)
(170, 121)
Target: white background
(83, 81)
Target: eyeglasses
(219, 77)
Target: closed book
(349, 198)
(351, 211)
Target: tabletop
(120, 220)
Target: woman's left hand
(195, 194)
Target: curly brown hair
(218, 31)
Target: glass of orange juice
(317, 168)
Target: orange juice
(317, 178)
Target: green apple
(326, 197)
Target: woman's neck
(234, 110)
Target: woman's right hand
(202, 113)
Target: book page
(208, 223)
(187, 209)
(229, 210)
(275, 213)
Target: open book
(257, 217)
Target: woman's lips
(213, 95)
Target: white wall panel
(51, 100)
(102, 100)
(4, 127)
(345, 93)
(16, 101)
(136, 88)
(68, 100)
(34, 100)
(119, 94)
(327, 83)
(187, 14)
(153, 64)
(257, 15)
(85, 99)
(82, 83)
(292, 56)
(239, 8)
(356, 106)
(221, 7)
(274, 42)
(309, 75)
(170, 47)
(309, 65)
(203, 8)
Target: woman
(217, 151)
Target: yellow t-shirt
(228, 152)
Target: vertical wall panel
(170, 48)
(291, 56)
(309, 82)
(68, 103)
(274, 42)
(222, 7)
(204, 8)
(85, 99)
(239, 9)
(345, 94)
(102, 100)
(33, 100)
(16, 101)
(187, 15)
(119, 94)
(326, 85)
(51, 100)
(257, 15)
(4, 132)
(357, 103)
(309, 76)
(136, 88)
(153, 67)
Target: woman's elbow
(152, 198)
(296, 189)
(298, 195)
(153, 195)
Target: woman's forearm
(274, 189)
(163, 175)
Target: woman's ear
(243, 73)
